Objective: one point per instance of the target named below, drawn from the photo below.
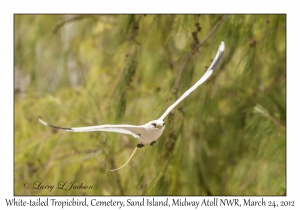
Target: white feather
(206, 75)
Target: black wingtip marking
(61, 128)
(52, 126)
(217, 61)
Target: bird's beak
(159, 126)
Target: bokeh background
(227, 138)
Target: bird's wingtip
(222, 46)
(41, 121)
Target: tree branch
(58, 26)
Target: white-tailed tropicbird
(152, 130)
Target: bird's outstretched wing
(133, 130)
(206, 75)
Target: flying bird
(152, 130)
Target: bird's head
(159, 124)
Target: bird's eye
(163, 124)
(154, 124)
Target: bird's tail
(126, 161)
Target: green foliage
(226, 138)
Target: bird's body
(151, 131)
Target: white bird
(152, 130)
